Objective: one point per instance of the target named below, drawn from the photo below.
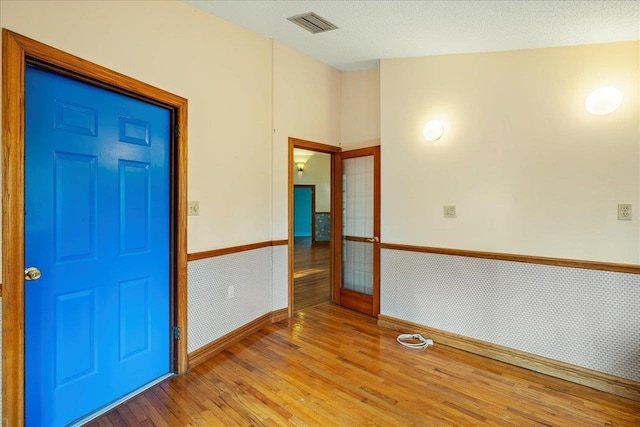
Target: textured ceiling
(372, 30)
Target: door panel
(134, 207)
(360, 230)
(75, 336)
(97, 323)
(75, 206)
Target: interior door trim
(17, 51)
(335, 231)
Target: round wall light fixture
(433, 130)
(603, 101)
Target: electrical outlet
(449, 211)
(230, 292)
(624, 211)
(194, 209)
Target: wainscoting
(582, 317)
(249, 270)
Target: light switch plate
(194, 209)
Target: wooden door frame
(17, 51)
(375, 152)
(313, 209)
(333, 151)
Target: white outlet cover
(624, 211)
(450, 211)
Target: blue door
(302, 211)
(97, 227)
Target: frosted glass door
(358, 224)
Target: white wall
(317, 172)
(518, 141)
(530, 171)
(360, 108)
(306, 105)
(225, 73)
(306, 102)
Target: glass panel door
(359, 245)
(357, 224)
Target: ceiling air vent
(312, 23)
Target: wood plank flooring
(311, 274)
(330, 366)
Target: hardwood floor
(311, 274)
(330, 366)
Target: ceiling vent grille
(313, 23)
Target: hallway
(311, 274)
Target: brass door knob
(32, 273)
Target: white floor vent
(313, 23)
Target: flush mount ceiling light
(603, 101)
(433, 130)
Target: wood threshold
(17, 50)
(529, 259)
(234, 250)
(598, 380)
(207, 351)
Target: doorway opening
(311, 236)
(350, 269)
(311, 231)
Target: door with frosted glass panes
(359, 245)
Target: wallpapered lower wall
(587, 318)
(211, 313)
(280, 256)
